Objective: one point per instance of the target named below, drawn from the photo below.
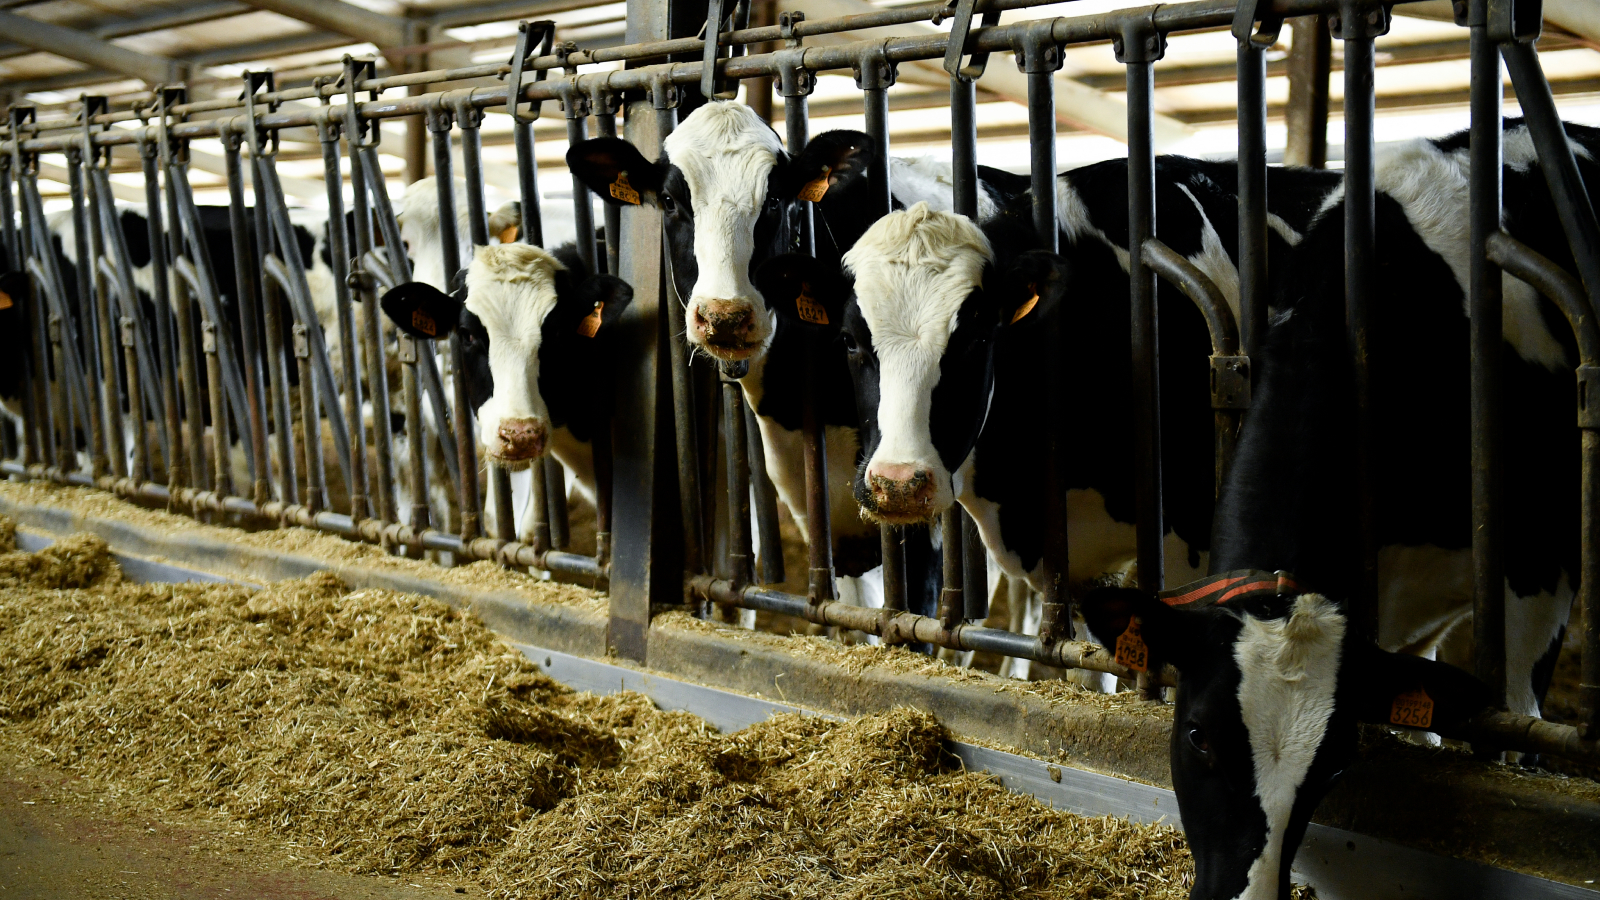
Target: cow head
(728, 195)
(1269, 693)
(417, 214)
(519, 306)
(918, 309)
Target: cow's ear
(616, 170)
(422, 310)
(1411, 692)
(804, 292)
(505, 223)
(600, 302)
(1166, 634)
(1029, 286)
(831, 160)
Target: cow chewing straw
(390, 733)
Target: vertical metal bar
(1484, 310)
(975, 590)
(439, 122)
(58, 393)
(196, 473)
(1358, 27)
(43, 430)
(339, 254)
(315, 494)
(738, 463)
(555, 478)
(604, 105)
(166, 352)
(956, 602)
(952, 602)
(1589, 576)
(140, 470)
(577, 108)
(107, 326)
(683, 400)
(84, 271)
(1252, 84)
(415, 430)
(277, 358)
(372, 342)
(219, 410)
(964, 145)
(8, 213)
(246, 273)
(764, 498)
(1310, 60)
(1041, 59)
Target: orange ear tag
(424, 323)
(816, 187)
(1026, 308)
(1131, 648)
(1413, 709)
(589, 325)
(508, 234)
(621, 190)
(5, 300)
(809, 309)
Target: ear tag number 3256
(589, 325)
(1413, 709)
(809, 309)
(816, 188)
(1131, 648)
(622, 190)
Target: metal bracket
(407, 349)
(1230, 382)
(127, 333)
(1589, 397)
(94, 105)
(439, 118)
(172, 149)
(602, 100)
(302, 342)
(664, 94)
(794, 79)
(1245, 17)
(467, 114)
(208, 337)
(534, 39)
(1351, 23)
(786, 25)
(360, 132)
(254, 133)
(1140, 41)
(574, 100)
(960, 30)
(22, 122)
(1515, 20)
(873, 70)
(710, 85)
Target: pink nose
(901, 490)
(723, 321)
(521, 438)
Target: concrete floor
(57, 842)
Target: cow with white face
(730, 199)
(528, 320)
(946, 327)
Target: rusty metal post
(1310, 61)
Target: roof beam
(157, 21)
(91, 51)
(344, 18)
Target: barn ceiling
(120, 47)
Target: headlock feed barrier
(112, 387)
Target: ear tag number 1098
(1131, 648)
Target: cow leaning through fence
(730, 199)
(537, 338)
(1274, 680)
(946, 327)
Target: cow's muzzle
(521, 440)
(724, 327)
(900, 494)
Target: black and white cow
(729, 194)
(950, 359)
(1271, 686)
(529, 320)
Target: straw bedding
(391, 733)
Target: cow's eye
(849, 342)
(668, 205)
(1197, 740)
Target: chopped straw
(393, 734)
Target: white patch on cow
(1432, 187)
(1213, 258)
(913, 270)
(511, 288)
(1532, 623)
(1289, 670)
(578, 458)
(726, 152)
(1519, 153)
(1284, 229)
(418, 216)
(926, 179)
(1076, 223)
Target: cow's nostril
(521, 438)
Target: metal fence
(95, 361)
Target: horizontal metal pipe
(1005, 38)
(907, 627)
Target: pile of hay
(395, 734)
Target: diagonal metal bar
(347, 19)
(91, 51)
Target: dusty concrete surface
(59, 842)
